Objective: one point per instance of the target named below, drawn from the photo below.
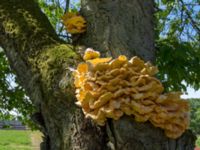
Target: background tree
(40, 59)
(195, 115)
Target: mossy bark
(41, 61)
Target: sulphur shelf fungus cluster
(74, 23)
(110, 88)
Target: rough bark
(127, 27)
(130, 135)
(41, 60)
(120, 27)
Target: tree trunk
(127, 27)
(120, 27)
(41, 61)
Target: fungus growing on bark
(74, 23)
(109, 88)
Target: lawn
(26, 140)
(198, 141)
(15, 140)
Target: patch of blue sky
(176, 15)
(191, 93)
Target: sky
(191, 93)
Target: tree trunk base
(127, 134)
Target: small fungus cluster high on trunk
(74, 23)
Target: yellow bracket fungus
(110, 88)
(74, 23)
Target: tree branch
(194, 24)
(25, 34)
(40, 60)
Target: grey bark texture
(41, 61)
(120, 27)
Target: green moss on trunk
(53, 62)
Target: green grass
(21, 140)
(198, 141)
(15, 140)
